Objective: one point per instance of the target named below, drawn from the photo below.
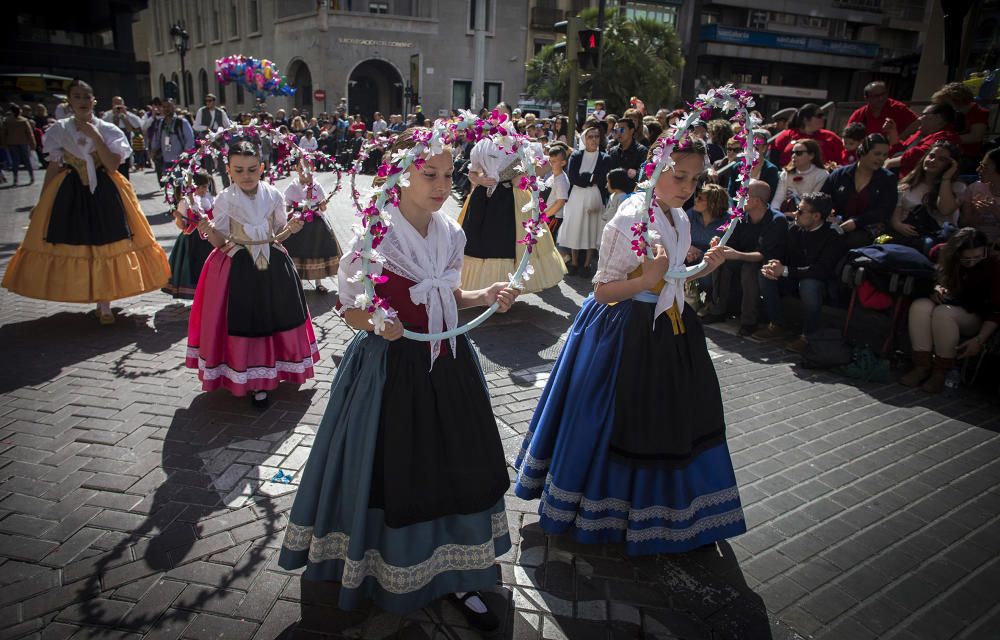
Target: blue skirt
(338, 535)
(599, 496)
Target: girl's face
(592, 139)
(937, 161)
(430, 184)
(245, 171)
(988, 171)
(675, 186)
(82, 102)
(801, 157)
(201, 190)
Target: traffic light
(589, 53)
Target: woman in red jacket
(807, 123)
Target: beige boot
(920, 371)
(935, 384)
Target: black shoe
(481, 621)
(572, 269)
(713, 318)
(259, 404)
(746, 330)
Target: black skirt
(262, 303)
(84, 218)
(668, 405)
(438, 450)
(315, 241)
(489, 224)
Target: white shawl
(63, 135)
(261, 217)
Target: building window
(216, 22)
(654, 12)
(709, 17)
(378, 7)
(220, 93)
(203, 82)
(253, 16)
(199, 28)
(779, 18)
(757, 20)
(473, 5)
(234, 20)
(461, 94)
(492, 94)
(540, 44)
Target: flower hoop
(177, 178)
(376, 222)
(726, 99)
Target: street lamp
(180, 36)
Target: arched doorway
(375, 85)
(301, 79)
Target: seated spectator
(970, 123)
(327, 143)
(936, 123)
(927, 210)
(628, 155)
(853, 134)
(710, 211)
(961, 314)
(980, 204)
(804, 174)
(881, 109)
(753, 243)
(813, 249)
(807, 123)
(308, 141)
(863, 194)
(763, 169)
(700, 130)
(720, 131)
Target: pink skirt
(239, 364)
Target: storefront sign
(376, 43)
(749, 37)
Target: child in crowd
(556, 186)
(600, 110)
(250, 327)
(401, 501)
(190, 250)
(628, 443)
(315, 251)
(853, 134)
(619, 188)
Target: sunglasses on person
(799, 152)
(620, 130)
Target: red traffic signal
(589, 55)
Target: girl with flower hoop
(492, 219)
(88, 240)
(401, 500)
(190, 250)
(628, 441)
(249, 327)
(314, 250)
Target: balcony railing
(544, 17)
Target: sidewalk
(133, 506)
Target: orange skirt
(87, 273)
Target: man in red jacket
(935, 124)
(881, 109)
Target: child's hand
(654, 269)
(714, 257)
(204, 226)
(295, 225)
(392, 330)
(502, 294)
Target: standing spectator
(175, 136)
(807, 123)
(981, 201)
(18, 136)
(936, 123)
(588, 174)
(753, 244)
(699, 130)
(961, 314)
(813, 249)
(927, 210)
(561, 130)
(661, 117)
(379, 125)
(41, 116)
(419, 118)
(209, 119)
(971, 121)
(128, 122)
(864, 193)
(628, 154)
(853, 134)
(881, 110)
(804, 174)
(151, 126)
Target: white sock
(104, 308)
(260, 395)
(474, 602)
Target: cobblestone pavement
(134, 506)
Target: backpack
(826, 349)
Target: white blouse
(298, 192)
(63, 136)
(260, 217)
(812, 180)
(617, 260)
(489, 158)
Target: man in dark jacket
(753, 243)
(813, 249)
(628, 154)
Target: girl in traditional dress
(628, 443)
(250, 327)
(588, 174)
(88, 240)
(401, 501)
(190, 250)
(492, 220)
(315, 250)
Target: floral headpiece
(375, 221)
